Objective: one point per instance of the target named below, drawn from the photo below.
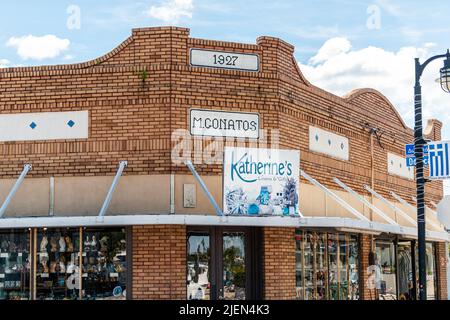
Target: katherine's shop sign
(260, 181)
(224, 124)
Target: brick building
(160, 236)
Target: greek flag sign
(439, 159)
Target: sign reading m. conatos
(224, 124)
(224, 60)
(261, 181)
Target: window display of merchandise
(15, 264)
(68, 264)
(57, 264)
(326, 266)
(405, 271)
(385, 261)
(104, 264)
(430, 261)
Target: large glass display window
(326, 266)
(405, 271)
(57, 264)
(15, 264)
(104, 264)
(431, 271)
(385, 262)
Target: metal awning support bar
(334, 196)
(433, 204)
(431, 210)
(364, 201)
(392, 206)
(204, 188)
(113, 186)
(13, 190)
(406, 203)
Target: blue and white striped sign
(439, 159)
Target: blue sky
(306, 24)
(340, 44)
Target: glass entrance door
(220, 263)
(233, 266)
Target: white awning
(344, 224)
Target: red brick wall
(365, 246)
(278, 263)
(159, 262)
(441, 268)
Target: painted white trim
(178, 219)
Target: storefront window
(333, 262)
(15, 264)
(198, 265)
(405, 271)
(385, 261)
(353, 257)
(431, 271)
(234, 274)
(57, 265)
(326, 266)
(104, 263)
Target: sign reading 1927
(224, 60)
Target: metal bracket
(113, 186)
(406, 203)
(204, 187)
(392, 206)
(13, 190)
(364, 201)
(335, 197)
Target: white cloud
(4, 63)
(339, 69)
(331, 48)
(171, 11)
(38, 48)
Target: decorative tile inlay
(44, 126)
(328, 143)
(397, 166)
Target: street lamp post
(419, 142)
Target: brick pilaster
(441, 270)
(364, 250)
(278, 263)
(159, 262)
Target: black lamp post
(419, 142)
